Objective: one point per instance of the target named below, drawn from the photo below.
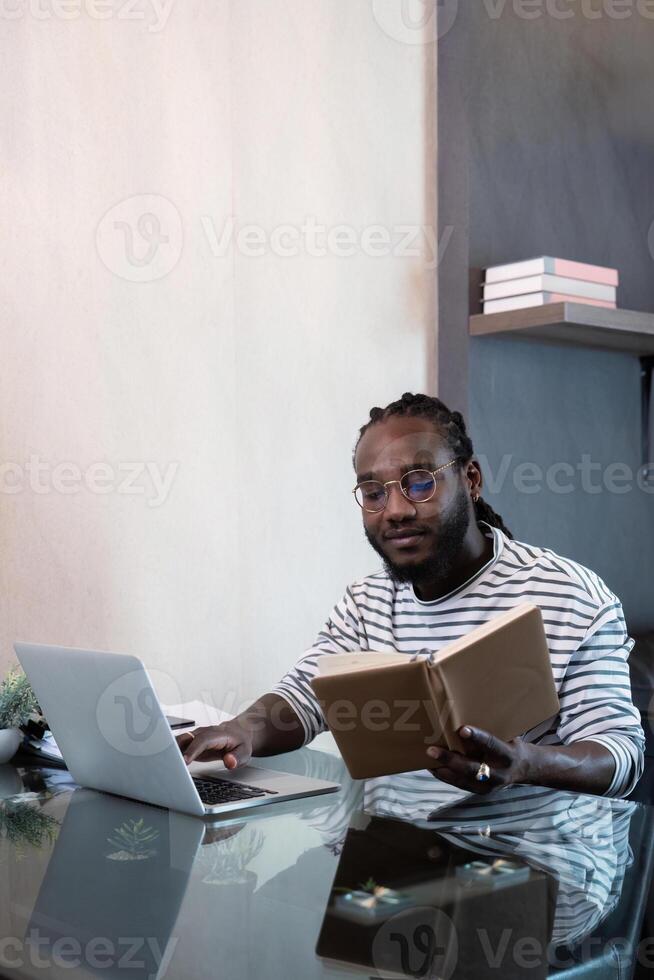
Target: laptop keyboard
(215, 791)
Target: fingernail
(434, 753)
(466, 732)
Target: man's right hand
(229, 742)
(267, 727)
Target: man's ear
(474, 478)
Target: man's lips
(404, 537)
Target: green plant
(369, 886)
(132, 842)
(17, 700)
(22, 824)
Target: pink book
(545, 265)
(540, 299)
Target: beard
(439, 566)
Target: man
(449, 564)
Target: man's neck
(477, 551)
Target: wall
(576, 417)
(552, 152)
(134, 332)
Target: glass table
(525, 882)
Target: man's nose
(398, 505)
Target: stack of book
(536, 282)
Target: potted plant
(22, 823)
(17, 703)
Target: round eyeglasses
(418, 486)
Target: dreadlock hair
(453, 428)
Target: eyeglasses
(418, 486)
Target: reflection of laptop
(119, 869)
(113, 735)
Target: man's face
(416, 541)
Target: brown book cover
(385, 709)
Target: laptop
(113, 734)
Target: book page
(343, 663)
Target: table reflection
(461, 886)
(487, 886)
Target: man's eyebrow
(416, 465)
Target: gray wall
(546, 132)
(530, 404)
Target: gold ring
(483, 773)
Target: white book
(540, 299)
(546, 265)
(550, 284)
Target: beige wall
(230, 368)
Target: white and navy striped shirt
(586, 634)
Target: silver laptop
(114, 736)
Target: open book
(385, 709)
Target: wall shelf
(573, 323)
(627, 331)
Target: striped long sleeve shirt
(586, 634)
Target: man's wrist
(541, 765)
(272, 726)
(580, 767)
(529, 768)
(252, 722)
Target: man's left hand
(507, 761)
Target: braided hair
(453, 428)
